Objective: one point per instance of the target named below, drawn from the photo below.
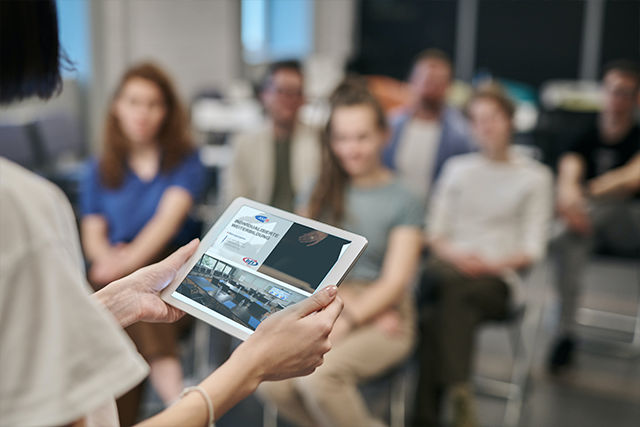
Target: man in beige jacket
(274, 164)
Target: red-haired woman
(136, 200)
(376, 330)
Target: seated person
(135, 202)
(598, 196)
(376, 330)
(430, 131)
(488, 219)
(279, 161)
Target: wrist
(248, 368)
(120, 301)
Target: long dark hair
(328, 197)
(30, 54)
(173, 135)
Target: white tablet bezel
(335, 276)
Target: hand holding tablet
(257, 260)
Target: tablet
(257, 260)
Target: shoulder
(453, 115)
(402, 195)
(33, 210)
(259, 135)
(399, 119)
(463, 162)
(306, 133)
(634, 135)
(17, 183)
(585, 139)
(538, 172)
(409, 209)
(190, 169)
(192, 159)
(91, 168)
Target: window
(276, 29)
(74, 33)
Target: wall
(197, 41)
(335, 28)
(525, 40)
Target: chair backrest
(60, 135)
(16, 145)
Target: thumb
(317, 301)
(179, 257)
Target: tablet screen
(258, 265)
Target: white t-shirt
(417, 153)
(493, 209)
(61, 356)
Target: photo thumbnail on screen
(235, 293)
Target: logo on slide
(262, 218)
(250, 261)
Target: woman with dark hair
(63, 356)
(377, 328)
(136, 200)
(488, 220)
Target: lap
(367, 353)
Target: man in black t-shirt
(598, 195)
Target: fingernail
(194, 240)
(331, 291)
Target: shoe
(562, 355)
(464, 406)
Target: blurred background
(548, 54)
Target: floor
(602, 390)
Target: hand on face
(312, 238)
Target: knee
(321, 386)
(278, 392)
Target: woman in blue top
(135, 201)
(376, 330)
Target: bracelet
(207, 399)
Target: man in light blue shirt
(424, 136)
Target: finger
(316, 302)
(333, 310)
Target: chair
(61, 140)
(61, 136)
(17, 145)
(611, 321)
(522, 326)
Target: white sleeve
(236, 184)
(61, 356)
(537, 215)
(439, 214)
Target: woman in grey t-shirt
(376, 330)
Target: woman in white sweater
(488, 220)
